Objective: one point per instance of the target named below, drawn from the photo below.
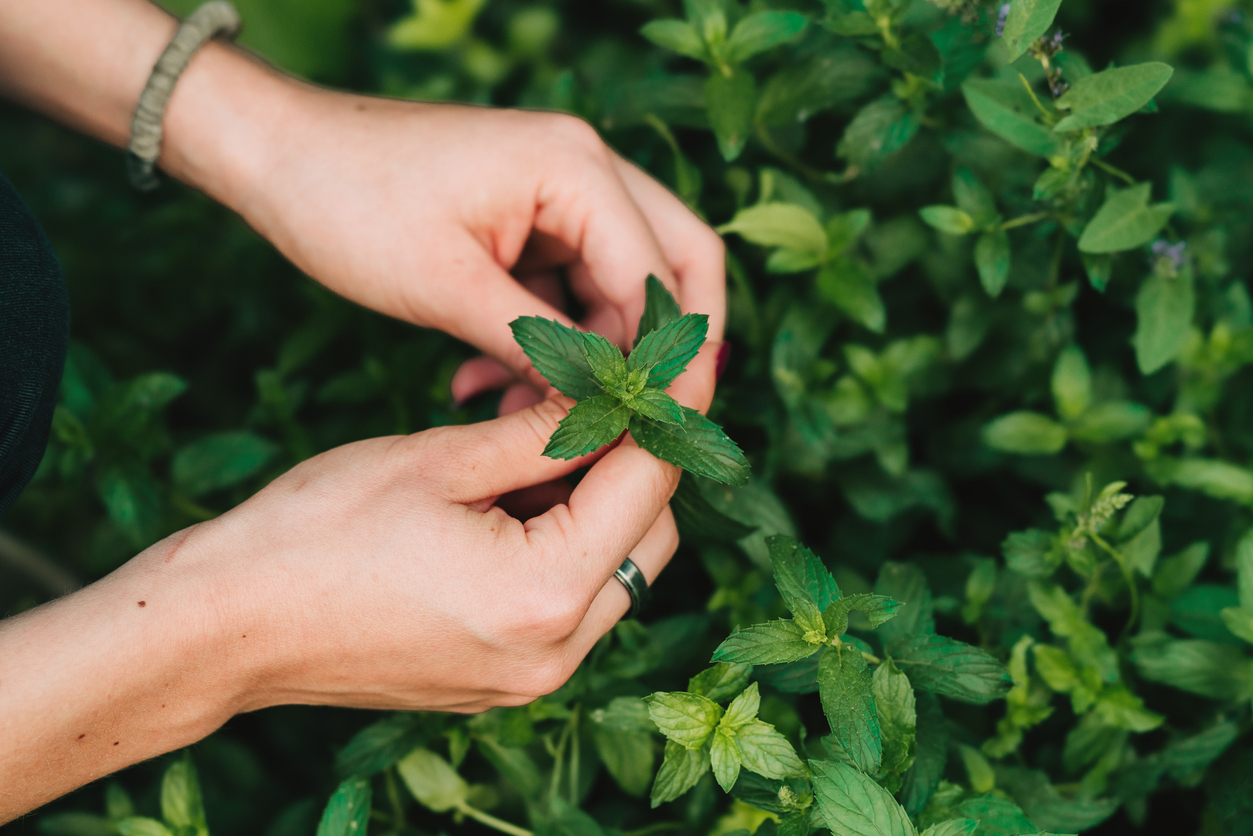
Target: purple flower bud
(1000, 19)
(1176, 253)
(1056, 42)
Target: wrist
(224, 123)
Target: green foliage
(991, 359)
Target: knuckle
(577, 133)
(544, 676)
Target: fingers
(694, 251)
(613, 601)
(609, 513)
(498, 457)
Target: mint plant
(988, 291)
(616, 393)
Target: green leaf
(348, 811)
(697, 518)
(687, 719)
(432, 780)
(1175, 574)
(660, 309)
(656, 405)
(1164, 309)
(731, 101)
(1027, 20)
(1027, 433)
(952, 827)
(665, 352)
(76, 824)
(973, 197)
(698, 445)
(898, 717)
(1105, 97)
(762, 31)
(1215, 477)
(680, 769)
(779, 225)
(677, 36)
(852, 803)
(948, 219)
(799, 573)
(220, 460)
(181, 803)
(141, 826)
(930, 755)
(743, 709)
(590, 425)
(724, 757)
(709, 17)
(1111, 421)
(952, 669)
(1006, 109)
(878, 131)
(852, 288)
(1207, 669)
(1032, 553)
(997, 816)
(627, 755)
(1072, 383)
(992, 259)
(767, 752)
(766, 644)
(608, 365)
(1244, 570)
(721, 681)
(1125, 221)
(557, 353)
(877, 608)
(845, 688)
(381, 744)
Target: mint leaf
(742, 709)
(657, 405)
(660, 309)
(851, 802)
(898, 717)
(558, 354)
(698, 445)
(698, 518)
(1026, 21)
(607, 363)
(952, 827)
(1126, 220)
(687, 719)
(680, 770)
(767, 752)
(800, 574)
(665, 353)
(676, 35)
(844, 686)
(720, 681)
(591, 424)
(433, 781)
(1105, 97)
(952, 669)
(348, 811)
(766, 644)
(724, 757)
(181, 804)
(877, 608)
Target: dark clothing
(34, 332)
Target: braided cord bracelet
(207, 22)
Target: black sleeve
(34, 332)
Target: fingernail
(720, 364)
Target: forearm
(85, 62)
(124, 670)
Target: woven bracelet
(206, 23)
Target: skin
(450, 570)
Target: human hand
(458, 217)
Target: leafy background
(907, 396)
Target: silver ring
(630, 576)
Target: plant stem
(393, 796)
(491, 821)
(1048, 117)
(1128, 576)
(574, 756)
(1116, 172)
(1023, 220)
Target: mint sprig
(615, 393)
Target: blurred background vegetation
(204, 364)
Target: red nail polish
(720, 364)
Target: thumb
(501, 456)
